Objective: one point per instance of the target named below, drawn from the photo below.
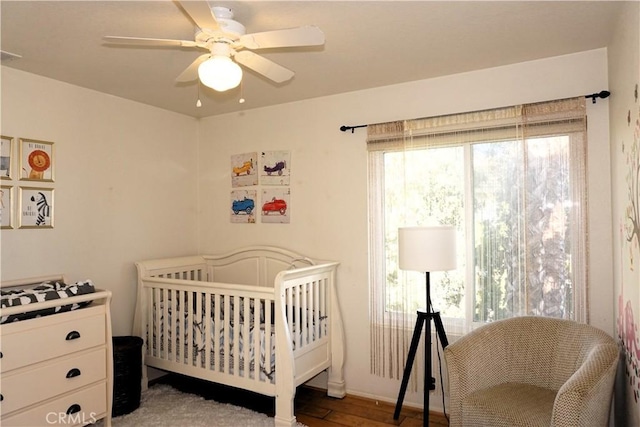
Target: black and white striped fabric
(45, 291)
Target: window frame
(453, 324)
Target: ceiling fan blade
(264, 66)
(301, 36)
(191, 72)
(141, 41)
(201, 14)
(8, 56)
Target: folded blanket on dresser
(45, 291)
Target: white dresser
(57, 369)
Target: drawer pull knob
(73, 409)
(73, 335)
(75, 372)
(1, 398)
(1, 355)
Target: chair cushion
(509, 405)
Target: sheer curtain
(512, 181)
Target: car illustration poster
(244, 170)
(243, 204)
(276, 208)
(275, 168)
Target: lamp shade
(220, 73)
(427, 248)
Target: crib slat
(236, 336)
(316, 310)
(206, 328)
(303, 315)
(165, 309)
(298, 339)
(187, 329)
(154, 333)
(267, 336)
(258, 313)
(246, 338)
(217, 323)
(290, 311)
(197, 332)
(171, 327)
(227, 332)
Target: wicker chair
(531, 371)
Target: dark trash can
(127, 374)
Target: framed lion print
(36, 160)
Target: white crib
(261, 318)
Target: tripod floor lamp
(425, 249)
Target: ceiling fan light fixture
(220, 73)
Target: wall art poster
(36, 160)
(275, 205)
(36, 207)
(6, 156)
(627, 175)
(243, 204)
(6, 207)
(243, 170)
(275, 168)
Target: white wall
(329, 177)
(125, 186)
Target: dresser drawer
(51, 379)
(85, 406)
(32, 345)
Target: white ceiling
(368, 44)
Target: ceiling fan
(228, 45)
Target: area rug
(163, 405)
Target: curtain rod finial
(344, 128)
(602, 94)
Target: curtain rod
(602, 94)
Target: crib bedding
(267, 359)
(45, 291)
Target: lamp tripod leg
(437, 321)
(415, 340)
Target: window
(512, 182)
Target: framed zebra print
(36, 207)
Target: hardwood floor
(315, 409)
(312, 406)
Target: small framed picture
(36, 207)
(6, 207)
(244, 169)
(276, 205)
(243, 205)
(36, 160)
(275, 168)
(6, 157)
